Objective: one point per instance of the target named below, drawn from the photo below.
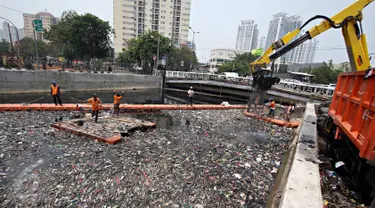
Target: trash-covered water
(208, 159)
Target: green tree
(4, 47)
(325, 74)
(81, 36)
(141, 50)
(182, 59)
(239, 64)
(27, 48)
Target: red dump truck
(348, 121)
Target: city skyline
(218, 30)
(13, 33)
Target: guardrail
(296, 87)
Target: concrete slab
(108, 130)
(302, 188)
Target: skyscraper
(6, 32)
(47, 20)
(170, 18)
(247, 36)
(305, 53)
(279, 26)
(262, 42)
(1, 35)
(21, 33)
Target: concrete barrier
(298, 182)
(20, 81)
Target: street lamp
(193, 36)
(157, 53)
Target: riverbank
(192, 159)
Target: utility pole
(36, 46)
(157, 55)
(193, 37)
(10, 38)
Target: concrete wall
(22, 81)
(302, 188)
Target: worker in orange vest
(116, 101)
(55, 92)
(272, 107)
(95, 102)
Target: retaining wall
(302, 188)
(298, 181)
(23, 81)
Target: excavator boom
(349, 20)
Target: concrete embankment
(22, 81)
(298, 182)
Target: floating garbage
(334, 190)
(221, 159)
(339, 164)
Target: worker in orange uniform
(55, 92)
(95, 102)
(272, 107)
(116, 101)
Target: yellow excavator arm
(349, 20)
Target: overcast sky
(218, 20)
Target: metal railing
(284, 85)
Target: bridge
(237, 88)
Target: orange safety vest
(55, 89)
(273, 105)
(116, 100)
(95, 104)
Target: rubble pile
(198, 159)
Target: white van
(229, 75)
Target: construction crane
(350, 123)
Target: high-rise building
(262, 42)
(1, 35)
(305, 53)
(47, 20)
(131, 18)
(13, 32)
(247, 36)
(21, 33)
(279, 26)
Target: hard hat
(95, 95)
(53, 82)
(191, 87)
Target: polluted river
(190, 159)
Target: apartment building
(247, 36)
(132, 18)
(47, 20)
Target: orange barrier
(293, 124)
(125, 107)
